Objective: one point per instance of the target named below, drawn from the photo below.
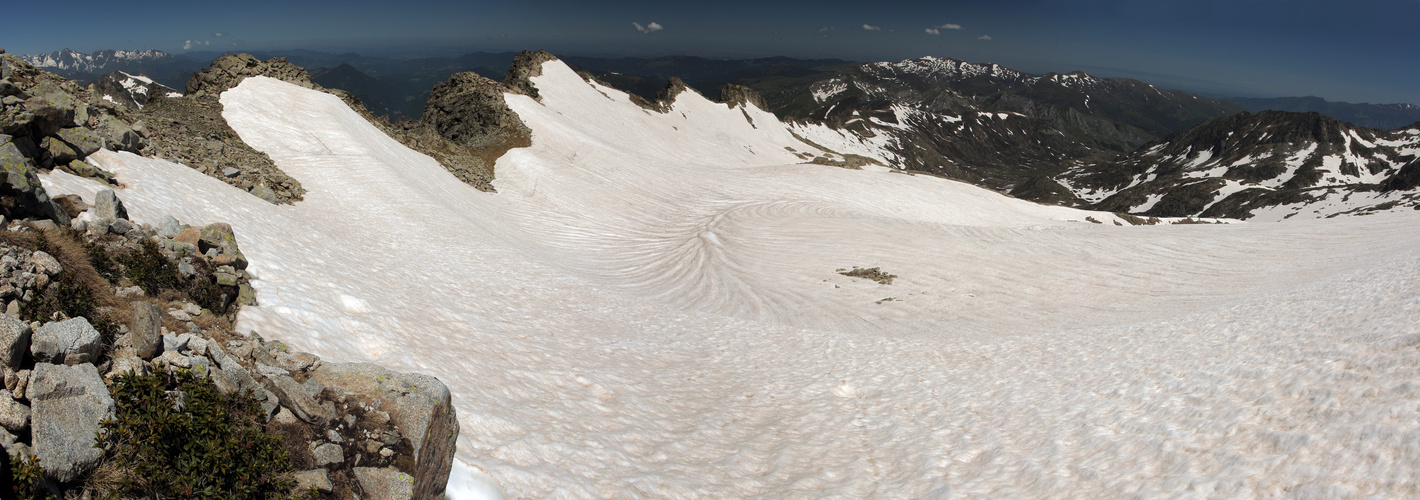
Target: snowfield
(649, 307)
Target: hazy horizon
(1357, 52)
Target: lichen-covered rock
(420, 407)
(219, 235)
(68, 403)
(84, 141)
(14, 341)
(58, 150)
(52, 108)
(71, 342)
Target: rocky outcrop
(227, 71)
(740, 95)
(666, 97)
(130, 90)
(526, 66)
(418, 404)
(46, 123)
(469, 110)
(69, 402)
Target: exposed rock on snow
(229, 70)
(130, 90)
(740, 95)
(526, 66)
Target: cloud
(870, 27)
(933, 31)
(950, 26)
(825, 28)
(189, 44)
(219, 35)
(649, 28)
(984, 37)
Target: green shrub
(149, 269)
(214, 447)
(26, 478)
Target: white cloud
(189, 44)
(649, 28)
(824, 28)
(984, 37)
(950, 26)
(870, 27)
(933, 31)
(219, 35)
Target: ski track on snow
(648, 308)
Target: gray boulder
(328, 453)
(14, 415)
(420, 407)
(387, 484)
(108, 206)
(169, 227)
(14, 341)
(69, 342)
(69, 402)
(59, 151)
(295, 397)
(145, 332)
(316, 478)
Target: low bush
(175, 436)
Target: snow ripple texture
(649, 308)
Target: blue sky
(1356, 51)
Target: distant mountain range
(1061, 138)
(1381, 116)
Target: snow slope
(648, 307)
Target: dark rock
(84, 169)
(70, 342)
(420, 407)
(740, 95)
(68, 405)
(229, 70)
(469, 110)
(526, 65)
(131, 91)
